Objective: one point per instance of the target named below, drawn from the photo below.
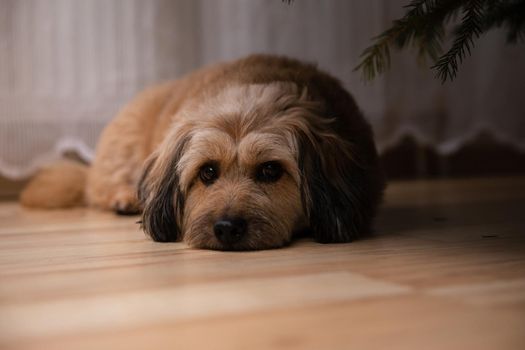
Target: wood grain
(445, 270)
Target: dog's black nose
(229, 231)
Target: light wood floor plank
(444, 270)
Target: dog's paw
(125, 202)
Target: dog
(236, 156)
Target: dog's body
(240, 156)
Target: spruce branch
(423, 28)
(465, 33)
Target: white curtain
(66, 67)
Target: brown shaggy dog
(239, 156)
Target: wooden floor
(446, 270)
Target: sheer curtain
(67, 66)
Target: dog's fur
(238, 116)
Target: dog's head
(250, 166)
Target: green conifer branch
(422, 28)
(465, 33)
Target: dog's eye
(209, 173)
(269, 172)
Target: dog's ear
(160, 194)
(341, 186)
